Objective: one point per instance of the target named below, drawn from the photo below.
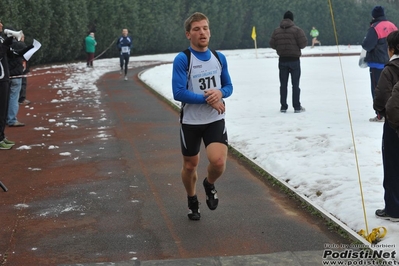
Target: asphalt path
(111, 189)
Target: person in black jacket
(377, 49)
(5, 43)
(385, 100)
(288, 40)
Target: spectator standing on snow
(288, 40)
(377, 50)
(386, 103)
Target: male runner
(124, 44)
(200, 81)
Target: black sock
(207, 183)
(192, 198)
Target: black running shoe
(193, 208)
(380, 213)
(211, 195)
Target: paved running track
(100, 182)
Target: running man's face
(124, 32)
(199, 35)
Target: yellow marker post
(253, 35)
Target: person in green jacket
(90, 48)
(314, 33)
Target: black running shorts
(191, 136)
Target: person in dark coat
(387, 106)
(376, 46)
(288, 40)
(5, 44)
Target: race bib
(202, 81)
(125, 49)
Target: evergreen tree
(157, 25)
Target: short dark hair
(197, 16)
(393, 41)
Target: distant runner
(124, 44)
